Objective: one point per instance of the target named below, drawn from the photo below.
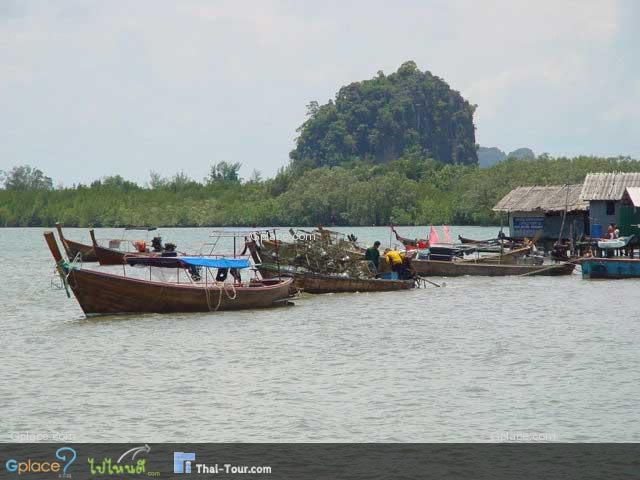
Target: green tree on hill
(378, 120)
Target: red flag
(433, 236)
(447, 238)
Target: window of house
(611, 208)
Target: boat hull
(101, 293)
(457, 269)
(108, 256)
(513, 257)
(318, 283)
(75, 249)
(611, 268)
(474, 242)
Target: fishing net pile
(320, 251)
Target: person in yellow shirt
(394, 259)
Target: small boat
(474, 242)
(76, 249)
(100, 293)
(419, 243)
(112, 256)
(613, 268)
(457, 268)
(503, 241)
(467, 246)
(445, 251)
(319, 283)
(518, 256)
(616, 243)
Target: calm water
(479, 358)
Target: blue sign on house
(527, 226)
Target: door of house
(628, 220)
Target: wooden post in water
(501, 238)
(275, 239)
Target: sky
(94, 88)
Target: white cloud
(91, 88)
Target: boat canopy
(216, 262)
(183, 262)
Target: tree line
(410, 190)
(396, 148)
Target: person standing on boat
(394, 259)
(372, 255)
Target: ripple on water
(458, 363)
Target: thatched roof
(542, 199)
(608, 186)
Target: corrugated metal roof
(608, 186)
(634, 195)
(542, 199)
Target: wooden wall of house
(551, 224)
(628, 220)
(598, 213)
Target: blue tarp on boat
(183, 262)
(216, 262)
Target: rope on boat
(64, 269)
(57, 274)
(221, 289)
(233, 289)
(207, 294)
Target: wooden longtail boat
(410, 242)
(512, 257)
(73, 249)
(103, 293)
(612, 268)
(486, 245)
(318, 283)
(110, 256)
(475, 242)
(285, 250)
(467, 246)
(456, 269)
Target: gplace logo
(182, 462)
(66, 455)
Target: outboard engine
(156, 244)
